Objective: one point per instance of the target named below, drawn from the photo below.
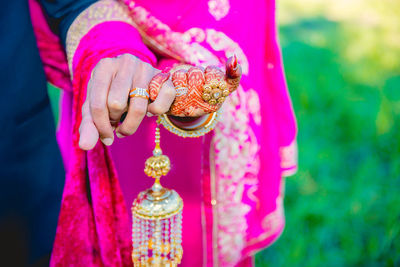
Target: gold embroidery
(181, 46)
(237, 166)
(185, 46)
(290, 172)
(270, 223)
(288, 156)
(219, 41)
(99, 12)
(254, 106)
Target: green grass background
(343, 71)
(342, 60)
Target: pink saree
(231, 180)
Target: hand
(194, 80)
(108, 99)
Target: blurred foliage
(343, 70)
(55, 98)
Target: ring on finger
(139, 92)
(215, 92)
(181, 90)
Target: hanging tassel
(157, 217)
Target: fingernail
(107, 141)
(235, 62)
(149, 114)
(120, 135)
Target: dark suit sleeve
(61, 13)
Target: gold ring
(139, 92)
(215, 92)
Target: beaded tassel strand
(157, 218)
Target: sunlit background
(342, 60)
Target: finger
(98, 88)
(179, 81)
(137, 105)
(88, 134)
(156, 83)
(233, 73)
(164, 100)
(195, 81)
(179, 78)
(117, 101)
(136, 112)
(212, 73)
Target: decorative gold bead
(206, 97)
(207, 89)
(212, 102)
(157, 166)
(225, 92)
(222, 85)
(214, 83)
(165, 247)
(216, 93)
(221, 99)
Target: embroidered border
(272, 224)
(237, 165)
(184, 46)
(289, 156)
(99, 12)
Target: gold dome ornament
(215, 92)
(157, 217)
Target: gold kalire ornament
(215, 92)
(157, 218)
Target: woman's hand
(199, 91)
(108, 99)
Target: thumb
(233, 73)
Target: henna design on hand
(156, 83)
(195, 79)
